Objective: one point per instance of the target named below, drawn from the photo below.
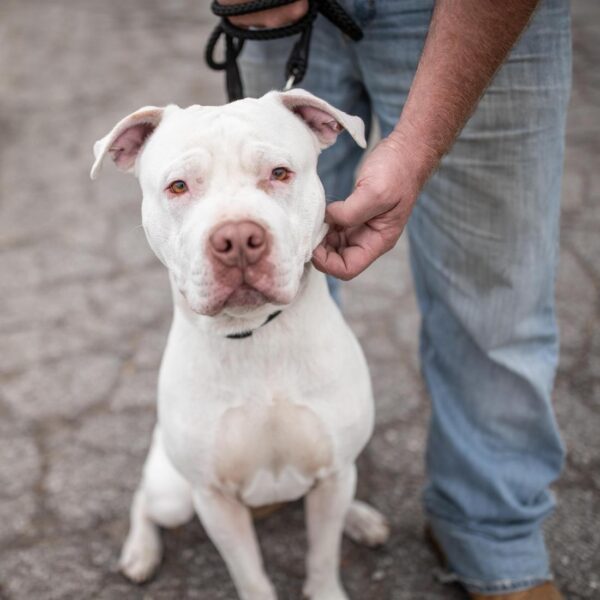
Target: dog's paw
(263, 591)
(331, 592)
(366, 525)
(141, 554)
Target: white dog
(264, 394)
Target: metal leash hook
(298, 61)
(289, 84)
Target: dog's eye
(178, 187)
(280, 174)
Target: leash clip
(289, 84)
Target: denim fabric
(484, 243)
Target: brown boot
(545, 591)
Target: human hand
(270, 18)
(370, 221)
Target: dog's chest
(271, 452)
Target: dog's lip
(245, 295)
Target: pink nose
(238, 243)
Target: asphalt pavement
(85, 309)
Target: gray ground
(85, 310)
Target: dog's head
(232, 203)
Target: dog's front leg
(229, 525)
(326, 506)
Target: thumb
(358, 208)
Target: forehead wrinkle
(253, 152)
(230, 141)
(199, 158)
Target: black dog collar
(244, 334)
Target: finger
(348, 261)
(361, 206)
(319, 257)
(344, 265)
(334, 238)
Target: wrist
(415, 161)
(421, 157)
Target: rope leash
(297, 63)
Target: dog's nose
(239, 243)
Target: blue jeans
(484, 244)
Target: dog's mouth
(246, 296)
(240, 291)
(242, 299)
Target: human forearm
(467, 41)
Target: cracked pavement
(85, 309)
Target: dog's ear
(324, 120)
(126, 139)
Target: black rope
(235, 36)
(247, 7)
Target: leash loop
(246, 8)
(297, 63)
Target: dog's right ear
(126, 139)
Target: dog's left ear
(124, 142)
(325, 121)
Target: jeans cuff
(487, 564)
(500, 586)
